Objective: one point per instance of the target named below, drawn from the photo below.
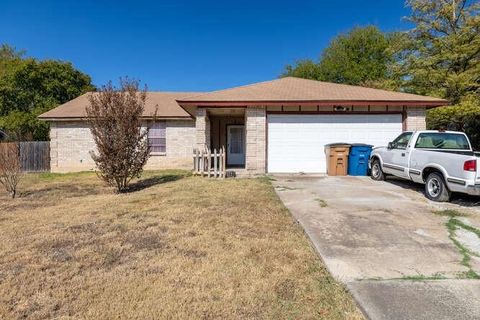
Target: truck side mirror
(391, 145)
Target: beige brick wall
(202, 127)
(70, 143)
(255, 125)
(416, 118)
(180, 135)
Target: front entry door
(236, 145)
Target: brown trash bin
(337, 158)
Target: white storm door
(236, 145)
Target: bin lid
(361, 145)
(338, 144)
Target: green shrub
(463, 117)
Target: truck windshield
(442, 140)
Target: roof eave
(59, 119)
(417, 103)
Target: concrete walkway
(384, 242)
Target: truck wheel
(377, 172)
(436, 189)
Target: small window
(401, 142)
(156, 137)
(442, 140)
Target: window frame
(469, 146)
(163, 136)
(395, 146)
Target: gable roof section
(297, 90)
(166, 102)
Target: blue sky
(187, 45)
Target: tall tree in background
(8, 57)
(29, 87)
(442, 54)
(357, 57)
(360, 55)
(306, 69)
(441, 57)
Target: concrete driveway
(384, 241)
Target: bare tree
(10, 167)
(115, 122)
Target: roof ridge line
(237, 87)
(361, 86)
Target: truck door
(396, 159)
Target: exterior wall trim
(364, 103)
(85, 119)
(334, 112)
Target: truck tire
(436, 189)
(377, 172)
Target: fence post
(220, 162)
(209, 160)
(194, 161)
(215, 162)
(224, 163)
(202, 165)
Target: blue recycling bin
(358, 159)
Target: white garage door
(296, 142)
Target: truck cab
(442, 160)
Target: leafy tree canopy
(442, 53)
(463, 117)
(29, 87)
(306, 69)
(358, 56)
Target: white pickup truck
(442, 160)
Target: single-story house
(274, 126)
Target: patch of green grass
(452, 226)
(470, 274)
(50, 176)
(322, 203)
(450, 213)
(266, 179)
(284, 188)
(418, 277)
(421, 277)
(467, 227)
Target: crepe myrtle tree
(10, 167)
(114, 115)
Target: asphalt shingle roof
(167, 106)
(288, 89)
(297, 89)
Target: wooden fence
(208, 163)
(34, 155)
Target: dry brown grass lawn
(177, 247)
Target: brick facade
(256, 133)
(416, 119)
(71, 142)
(202, 127)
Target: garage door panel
(296, 142)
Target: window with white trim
(156, 137)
